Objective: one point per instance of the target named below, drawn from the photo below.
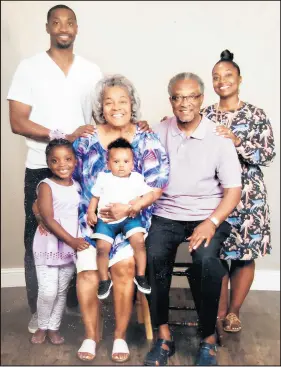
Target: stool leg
(139, 309)
(99, 328)
(146, 317)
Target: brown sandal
(232, 324)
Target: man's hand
(81, 131)
(203, 232)
(144, 127)
(79, 244)
(114, 212)
(164, 118)
(91, 218)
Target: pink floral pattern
(250, 235)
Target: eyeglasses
(191, 98)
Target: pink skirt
(49, 250)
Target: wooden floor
(257, 344)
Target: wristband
(56, 134)
(215, 221)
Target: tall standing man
(204, 187)
(50, 97)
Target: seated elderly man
(204, 188)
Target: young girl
(55, 252)
(126, 187)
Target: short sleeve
(21, 87)
(96, 190)
(97, 75)
(228, 168)
(142, 186)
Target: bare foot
(55, 337)
(39, 336)
(85, 356)
(120, 357)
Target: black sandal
(158, 354)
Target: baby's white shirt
(112, 189)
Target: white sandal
(88, 346)
(120, 346)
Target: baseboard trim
(265, 280)
(12, 277)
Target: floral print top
(250, 236)
(150, 160)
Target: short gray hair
(116, 80)
(185, 76)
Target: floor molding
(264, 279)
(12, 277)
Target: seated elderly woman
(116, 108)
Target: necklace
(230, 115)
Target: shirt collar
(198, 133)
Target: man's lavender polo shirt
(200, 167)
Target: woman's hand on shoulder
(225, 132)
(144, 127)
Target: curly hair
(116, 80)
(59, 143)
(119, 143)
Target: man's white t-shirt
(112, 189)
(57, 101)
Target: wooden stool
(219, 330)
(99, 328)
(185, 308)
(143, 314)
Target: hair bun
(226, 55)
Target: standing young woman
(250, 130)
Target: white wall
(148, 42)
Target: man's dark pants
(205, 274)
(32, 178)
